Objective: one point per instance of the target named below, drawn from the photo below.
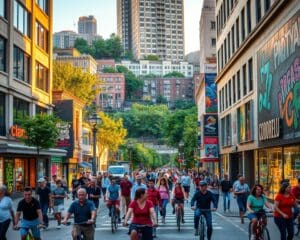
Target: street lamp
(94, 121)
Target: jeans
(3, 229)
(30, 224)
(164, 207)
(44, 209)
(242, 202)
(156, 212)
(208, 218)
(217, 196)
(226, 199)
(285, 225)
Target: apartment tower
(124, 23)
(87, 25)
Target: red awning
(209, 160)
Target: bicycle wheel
(116, 221)
(113, 219)
(202, 228)
(178, 218)
(249, 231)
(265, 234)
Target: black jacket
(203, 201)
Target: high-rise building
(87, 25)
(157, 28)
(124, 23)
(25, 88)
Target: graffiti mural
(279, 81)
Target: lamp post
(94, 120)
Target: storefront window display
(42, 168)
(270, 170)
(292, 163)
(19, 174)
(56, 169)
(224, 164)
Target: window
(245, 122)
(43, 4)
(229, 92)
(225, 50)
(21, 109)
(226, 131)
(220, 101)
(229, 43)
(2, 54)
(41, 36)
(232, 40)
(237, 30)
(21, 65)
(258, 10)
(238, 85)
(2, 115)
(233, 89)
(3, 8)
(250, 74)
(267, 5)
(213, 42)
(42, 77)
(21, 18)
(249, 16)
(243, 26)
(244, 80)
(212, 25)
(223, 103)
(226, 96)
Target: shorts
(113, 202)
(186, 189)
(126, 199)
(178, 201)
(58, 209)
(88, 231)
(146, 231)
(32, 225)
(256, 215)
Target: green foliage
(133, 84)
(74, 80)
(174, 74)
(101, 48)
(152, 57)
(41, 131)
(183, 104)
(150, 75)
(161, 100)
(128, 55)
(109, 70)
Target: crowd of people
(143, 196)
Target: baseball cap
(41, 180)
(202, 183)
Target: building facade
(159, 90)
(105, 63)
(158, 68)
(258, 50)
(87, 25)
(112, 91)
(157, 28)
(124, 23)
(25, 88)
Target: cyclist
(153, 195)
(178, 198)
(32, 215)
(113, 197)
(84, 216)
(255, 207)
(144, 217)
(203, 199)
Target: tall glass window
(2, 54)
(2, 115)
(238, 79)
(21, 18)
(21, 109)
(245, 122)
(292, 163)
(249, 16)
(43, 4)
(21, 65)
(250, 74)
(244, 80)
(41, 36)
(42, 77)
(243, 25)
(3, 8)
(258, 10)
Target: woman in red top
(178, 198)
(143, 215)
(283, 215)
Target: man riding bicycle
(255, 207)
(113, 198)
(203, 199)
(84, 216)
(32, 215)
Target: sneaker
(58, 226)
(196, 232)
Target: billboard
(278, 66)
(211, 102)
(210, 125)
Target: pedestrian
(241, 190)
(153, 195)
(138, 184)
(125, 186)
(44, 194)
(105, 184)
(64, 184)
(6, 212)
(94, 193)
(75, 186)
(226, 188)
(58, 195)
(186, 184)
(165, 196)
(283, 214)
(214, 187)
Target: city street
(226, 226)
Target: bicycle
(114, 218)
(139, 229)
(179, 215)
(29, 235)
(261, 230)
(202, 224)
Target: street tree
(174, 75)
(152, 57)
(73, 79)
(41, 131)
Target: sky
(67, 12)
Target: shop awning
(209, 160)
(23, 149)
(85, 165)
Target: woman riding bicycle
(178, 198)
(144, 217)
(255, 207)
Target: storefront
(57, 167)
(278, 156)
